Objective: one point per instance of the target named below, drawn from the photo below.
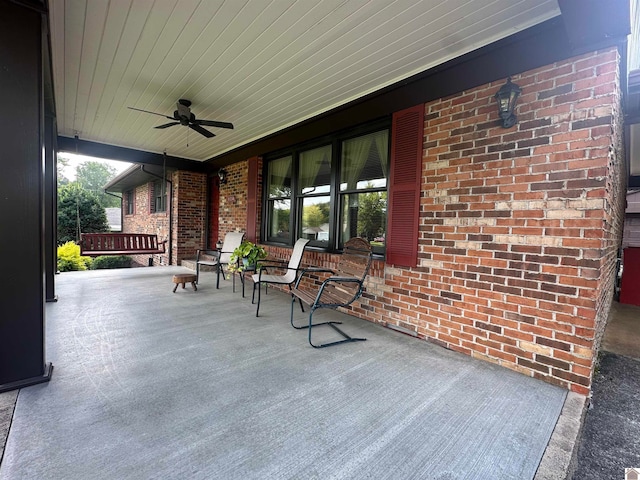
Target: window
(329, 192)
(279, 200)
(363, 188)
(314, 200)
(159, 197)
(129, 202)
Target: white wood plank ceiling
(262, 65)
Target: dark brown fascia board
(112, 152)
(534, 47)
(589, 23)
(135, 176)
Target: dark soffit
(112, 152)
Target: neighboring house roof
(136, 175)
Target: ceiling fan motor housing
(183, 119)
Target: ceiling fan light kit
(183, 116)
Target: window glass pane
(279, 219)
(279, 177)
(129, 200)
(315, 220)
(365, 161)
(365, 215)
(314, 171)
(160, 198)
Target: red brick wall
(516, 249)
(519, 227)
(143, 221)
(188, 214)
(233, 200)
(613, 222)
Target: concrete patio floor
(153, 384)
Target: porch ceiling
(261, 65)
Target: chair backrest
(356, 258)
(298, 251)
(232, 240)
(354, 262)
(294, 261)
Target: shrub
(115, 261)
(69, 258)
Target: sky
(75, 160)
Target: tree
(371, 214)
(63, 162)
(312, 216)
(93, 176)
(79, 210)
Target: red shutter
(407, 132)
(252, 200)
(152, 200)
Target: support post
(22, 299)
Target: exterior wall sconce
(222, 175)
(507, 97)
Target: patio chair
(287, 278)
(219, 258)
(341, 289)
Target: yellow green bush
(69, 258)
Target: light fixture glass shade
(507, 97)
(222, 175)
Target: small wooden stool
(182, 278)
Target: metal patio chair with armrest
(343, 287)
(288, 278)
(218, 258)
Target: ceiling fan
(183, 116)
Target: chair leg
(254, 291)
(347, 338)
(293, 301)
(301, 307)
(332, 324)
(197, 272)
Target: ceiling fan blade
(147, 111)
(213, 123)
(171, 124)
(201, 130)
